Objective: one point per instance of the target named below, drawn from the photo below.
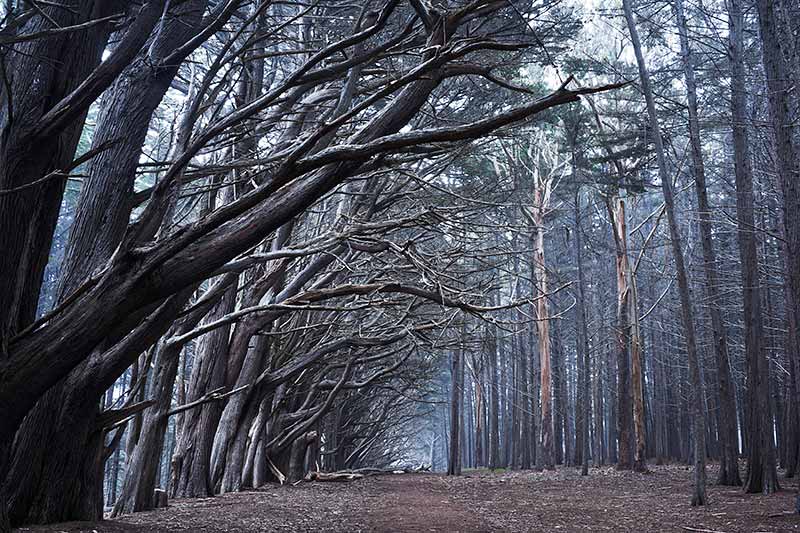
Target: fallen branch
(332, 476)
(360, 473)
(276, 472)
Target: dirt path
(479, 501)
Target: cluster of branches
(258, 216)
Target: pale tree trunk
(630, 387)
(637, 376)
(541, 201)
(627, 433)
(697, 389)
(630, 403)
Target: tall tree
(543, 189)
(697, 400)
(729, 459)
(762, 462)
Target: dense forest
(245, 243)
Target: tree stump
(159, 499)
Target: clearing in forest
(607, 500)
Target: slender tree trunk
(494, 405)
(729, 464)
(541, 202)
(698, 418)
(456, 402)
(559, 399)
(480, 414)
(584, 407)
(625, 452)
(637, 378)
(525, 406)
(506, 387)
(761, 467)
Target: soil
(562, 500)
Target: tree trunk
(582, 349)
(781, 80)
(698, 417)
(494, 405)
(456, 402)
(729, 464)
(540, 204)
(625, 451)
(191, 476)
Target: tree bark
(494, 405)
(698, 417)
(456, 403)
(729, 464)
(541, 200)
(761, 455)
(582, 348)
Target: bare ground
(478, 501)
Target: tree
(729, 460)
(698, 417)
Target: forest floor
(477, 501)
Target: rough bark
(191, 476)
(42, 73)
(781, 80)
(541, 202)
(696, 402)
(625, 451)
(582, 349)
(729, 464)
(761, 464)
(456, 403)
(103, 213)
(140, 482)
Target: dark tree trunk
(141, 477)
(103, 213)
(42, 72)
(525, 406)
(506, 386)
(697, 398)
(729, 464)
(583, 406)
(494, 404)
(191, 474)
(559, 400)
(761, 464)
(456, 407)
